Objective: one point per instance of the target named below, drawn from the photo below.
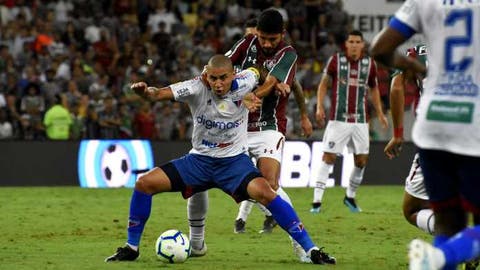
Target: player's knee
(409, 213)
(273, 182)
(142, 184)
(261, 192)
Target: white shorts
(414, 184)
(267, 143)
(340, 134)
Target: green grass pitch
(74, 228)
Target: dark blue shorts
(451, 179)
(194, 173)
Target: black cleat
(123, 254)
(239, 226)
(316, 208)
(318, 256)
(268, 224)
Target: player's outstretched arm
(307, 128)
(397, 103)
(152, 93)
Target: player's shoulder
(249, 74)
(286, 48)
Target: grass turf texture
(74, 228)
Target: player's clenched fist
(139, 88)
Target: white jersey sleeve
(188, 91)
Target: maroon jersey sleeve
(331, 67)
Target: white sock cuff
(426, 220)
(284, 195)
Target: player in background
(447, 126)
(352, 74)
(416, 208)
(266, 126)
(218, 157)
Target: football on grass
(173, 246)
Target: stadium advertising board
(371, 16)
(113, 163)
(301, 162)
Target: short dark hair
(356, 33)
(251, 23)
(270, 22)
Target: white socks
(197, 207)
(244, 210)
(355, 180)
(426, 220)
(321, 182)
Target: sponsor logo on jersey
(183, 92)
(457, 84)
(218, 124)
(257, 124)
(215, 145)
(331, 144)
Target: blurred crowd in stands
(83, 55)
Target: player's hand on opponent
(307, 127)
(394, 147)
(320, 116)
(282, 89)
(251, 102)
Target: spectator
(58, 121)
(6, 128)
(144, 122)
(108, 119)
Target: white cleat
(199, 252)
(300, 253)
(423, 256)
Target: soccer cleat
(268, 224)
(199, 252)
(123, 254)
(239, 226)
(423, 256)
(300, 253)
(318, 256)
(351, 204)
(316, 208)
(472, 265)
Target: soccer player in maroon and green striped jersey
(352, 74)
